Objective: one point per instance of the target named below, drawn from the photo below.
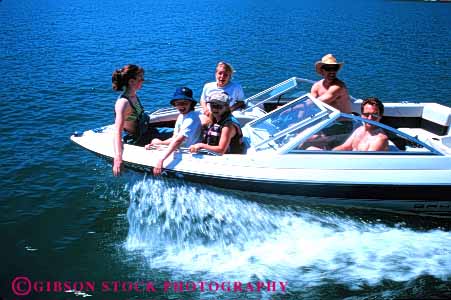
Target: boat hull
(416, 198)
(408, 183)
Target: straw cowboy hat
(327, 59)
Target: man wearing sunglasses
(368, 137)
(330, 89)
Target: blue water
(65, 217)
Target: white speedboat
(289, 137)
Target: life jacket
(213, 134)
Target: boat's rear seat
(435, 122)
(421, 117)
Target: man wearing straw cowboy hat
(330, 89)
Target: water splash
(193, 230)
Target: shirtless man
(331, 90)
(368, 137)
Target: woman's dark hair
(374, 102)
(121, 77)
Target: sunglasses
(374, 116)
(216, 106)
(330, 68)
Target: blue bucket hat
(183, 93)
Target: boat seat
(392, 147)
(419, 133)
(435, 113)
(438, 114)
(407, 109)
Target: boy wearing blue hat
(187, 130)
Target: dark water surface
(66, 219)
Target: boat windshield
(285, 91)
(291, 118)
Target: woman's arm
(120, 108)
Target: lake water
(67, 221)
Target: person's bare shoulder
(318, 83)
(339, 88)
(316, 87)
(338, 83)
(121, 104)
